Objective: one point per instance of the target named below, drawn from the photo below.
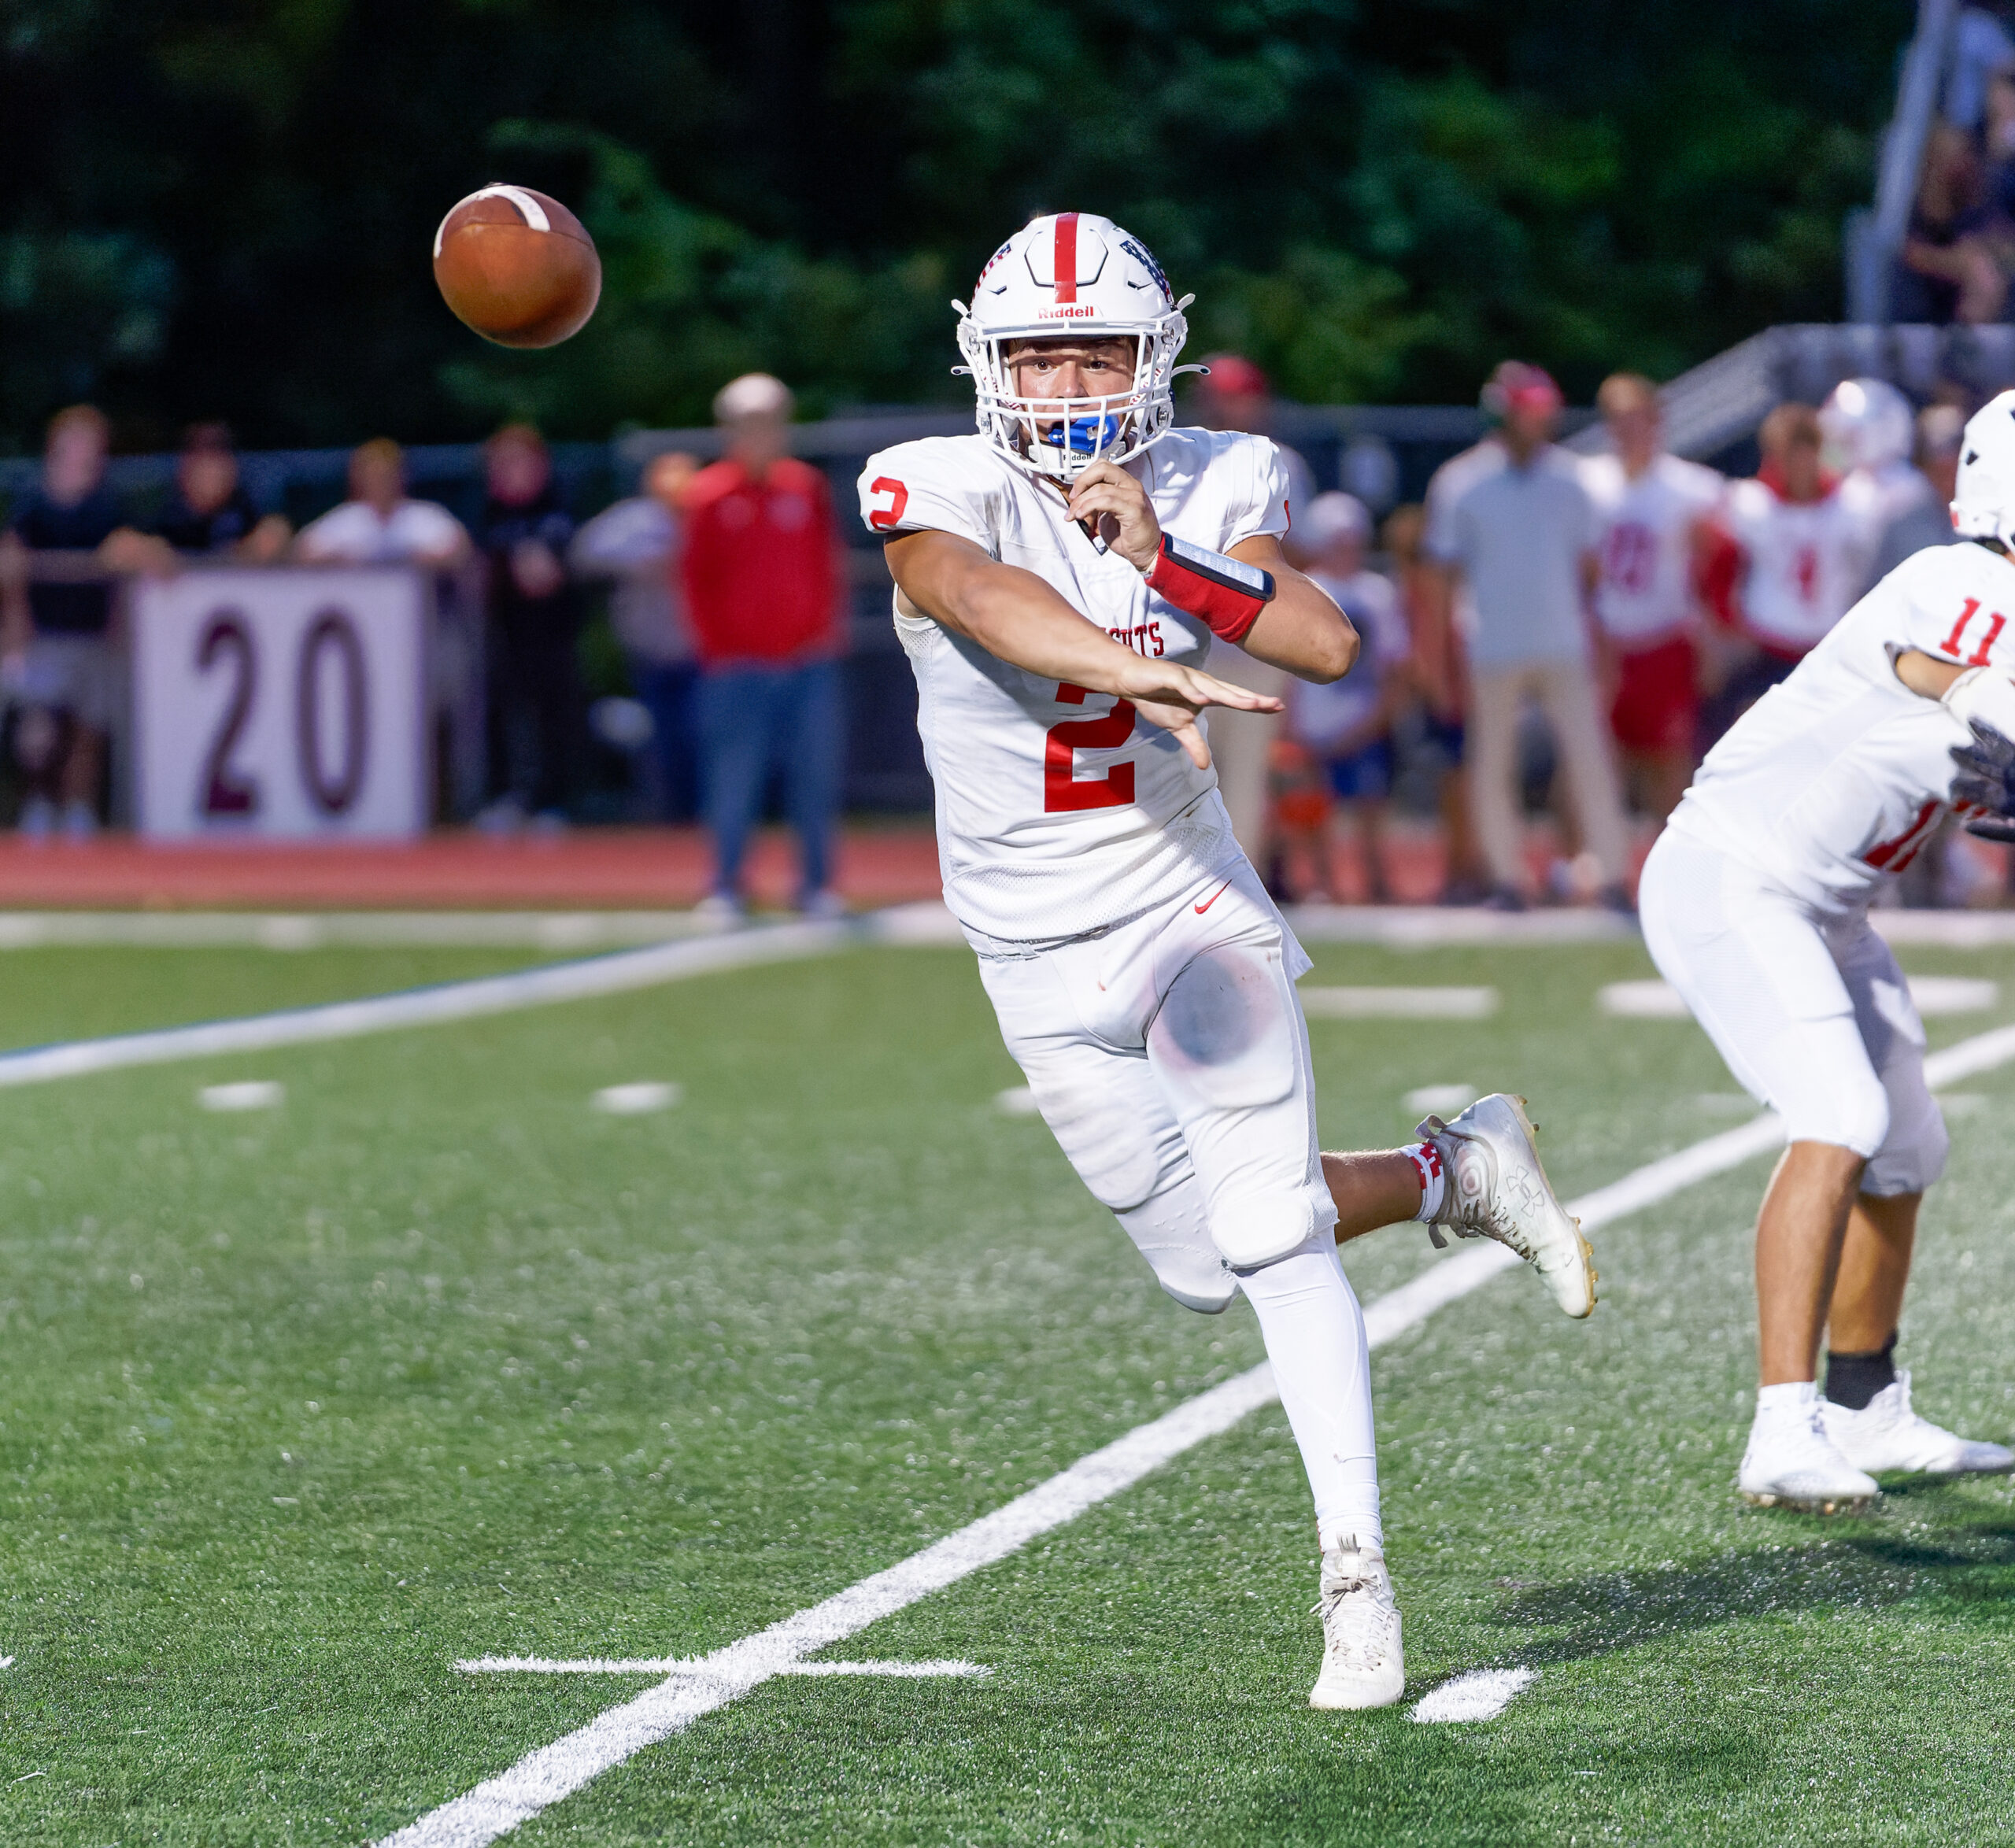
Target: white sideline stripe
(1933, 995)
(533, 1665)
(1399, 1003)
(544, 1777)
(924, 920)
(1482, 1694)
(615, 974)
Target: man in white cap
(764, 581)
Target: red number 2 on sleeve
(883, 519)
(1063, 793)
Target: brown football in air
(517, 266)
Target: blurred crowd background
(653, 601)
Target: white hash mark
(635, 1100)
(1482, 1694)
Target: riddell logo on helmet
(1076, 311)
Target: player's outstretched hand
(1169, 696)
(1117, 509)
(1987, 780)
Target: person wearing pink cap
(1514, 533)
(1235, 394)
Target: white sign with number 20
(285, 705)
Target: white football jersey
(1645, 591)
(1060, 811)
(1840, 774)
(1807, 560)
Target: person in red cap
(1235, 394)
(1515, 533)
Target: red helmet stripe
(1067, 257)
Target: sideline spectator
(763, 580)
(1788, 556)
(1510, 520)
(1346, 726)
(1234, 395)
(211, 513)
(534, 679)
(378, 524)
(636, 543)
(56, 653)
(1940, 436)
(1651, 506)
(1948, 243)
(1439, 673)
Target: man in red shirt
(764, 581)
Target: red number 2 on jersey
(1952, 644)
(1063, 793)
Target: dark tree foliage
(224, 207)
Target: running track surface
(586, 869)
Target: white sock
(1426, 1159)
(1314, 1335)
(1790, 1398)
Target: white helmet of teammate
(1867, 423)
(1074, 273)
(1983, 501)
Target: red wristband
(1226, 593)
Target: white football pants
(1169, 1058)
(1812, 1015)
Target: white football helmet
(1867, 423)
(1072, 273)
(1983, 501)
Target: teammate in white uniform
(1651, 505)
(1755, 905)
(1870, 430)
(1794, 550)
(1059, 579)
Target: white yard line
(706, 1683)
(534, 1665)
(618, 974)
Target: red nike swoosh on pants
(1213, 899)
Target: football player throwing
(1060, 577)
(1755, 905)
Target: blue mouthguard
(1088, 435)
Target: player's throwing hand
(1169, 695)
(1109, 503)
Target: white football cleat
(1494, 1187)
(1364, 1664)
(1791, 1462)
(1887, 1434)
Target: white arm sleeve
(919, 487)
(1268, 490)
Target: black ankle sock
(1852, 1380)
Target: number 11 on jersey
(1952, 643)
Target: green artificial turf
(300, 1406)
